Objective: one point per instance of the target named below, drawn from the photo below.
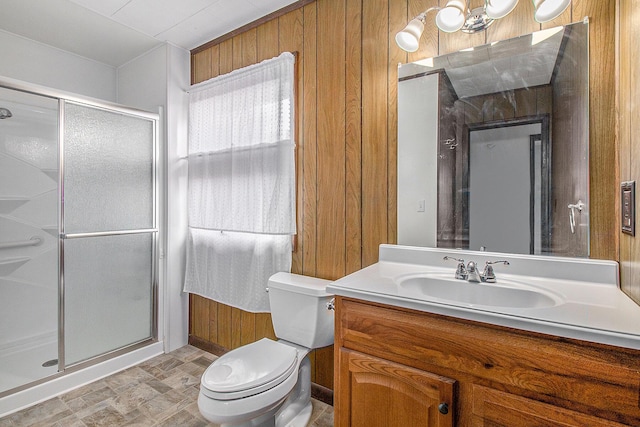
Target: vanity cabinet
(397, 367)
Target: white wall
(178, 63)
(34, 62)
(157, 81)
(142, 82)
(418, 161)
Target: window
(241, 183)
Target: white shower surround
(28, 210)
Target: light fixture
(455, 15)
(409, 38)
(496, 9)
(451, 17)
(546, 10)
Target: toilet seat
(249, 370)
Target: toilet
(268, 383)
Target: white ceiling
(117, 31)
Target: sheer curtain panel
(241, 183)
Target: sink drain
(50, 363)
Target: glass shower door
(108, 230)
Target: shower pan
(78, 234)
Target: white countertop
(589, 303)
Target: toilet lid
(249, 369)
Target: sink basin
(502, 294)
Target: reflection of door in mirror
(507, 208)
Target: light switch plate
(628, 200)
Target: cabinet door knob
(443, 408)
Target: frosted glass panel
(108, 177)
(108, 294)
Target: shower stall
(78, 234)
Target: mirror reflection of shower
(5, 113)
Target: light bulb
(546, 10)
(409, 38)
(496, 9)
(451, 17)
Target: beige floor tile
(38, 413)
(162, 391)
(106, 417)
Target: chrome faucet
(472, 270)
(461, 270)
(488, 275)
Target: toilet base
(299, 420)
(294, 411)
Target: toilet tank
(299, 309)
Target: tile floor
(162, 391)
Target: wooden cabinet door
(499, 409)
(375, 392)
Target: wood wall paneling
(375, 33)
(331, 59)
(201, 66)
(290, 39)
(347, 125)
(353, 142)
(397, 20)
(225, 63)
(308, 146)
(629, 150)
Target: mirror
(493, 146)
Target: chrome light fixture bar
(455, 16)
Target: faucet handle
(461, 270)
(488, 275)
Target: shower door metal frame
(62, 366)
(63, 97)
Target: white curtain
(241, 183)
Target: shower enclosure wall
(78, 234)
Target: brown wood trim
(321, 393)
(251, 25)
(207, 346)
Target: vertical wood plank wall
(347, 133)
(629, 108)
